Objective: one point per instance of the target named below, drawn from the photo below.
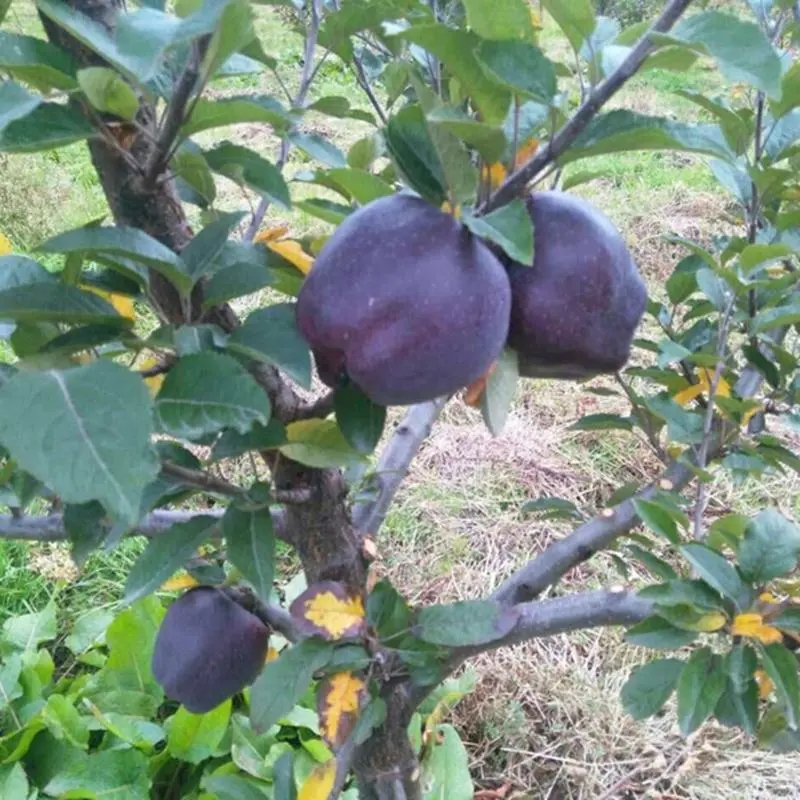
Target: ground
(544, 716)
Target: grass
(545, 716)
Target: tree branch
(201, 480)
(574, 612)
(51, 528)
(368, 515)
(516, 182)
(583, 542)
(175, 114)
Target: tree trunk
(321, 530)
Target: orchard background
(541, 719)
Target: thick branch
(515, 184)
(393, 465)
(51, 528)
(571, 613)
(583, 542)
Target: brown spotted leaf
(326, 609)
(320, 782)
(339, 700)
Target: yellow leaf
(272, 654)
(765, 684)
(495, 174)
(319, 783)
(448, 209)
(472, 397)
(339, 701)
(154, 382)
(768, 597)
(750, 413)
(688, 394)
(293, 253)
(752, 626)
(181, 581)
(123, 304)
(326, 609)
(536, 20)
(526, 151)
(271, 234)
(5, 245)
(674, 450)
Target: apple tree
(456, 265)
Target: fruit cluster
(410, 305)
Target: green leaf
(64, 721)
(656, 565)
(46, 126)
(232, 787)
(684, 592)
(10, 688)
(110, 245)
(650, 686)
(36, 61)
(189, 165)
(206, 393)
(360, 420)
(499, 19)
(108, 92)
(510, 227)
(233, 31)
(110, 774)
(88, 630)
(657, 633)
(741, 664)
(16, 102)
(521, 67)
(270, 334)
(445, 768)
(260, 437)
(718, 573)
(488, 140)
(740, 48)
(318, 148)
(247, 168)
(55, 302)
(739, 709)
(387, 611)
(339, 107)
(500, 390)
(326, 210)
(552, 508)
(456, 49)
(769, 548)
(358, 184)
(658, 519)
(260, 109)
(250, 546)
(776, 318)
(700, 686)
(465, 623)
(411, 148)
(87, 435)
(199, 255)
(165, 554)
(13, 780)
(236, 281)
(319, 443)
(284, 681)
(780, 665)
(575, 18)
(602, 422)
(622, 130)
(27, 631)
(195, 737)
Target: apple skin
(208, 649)
(575, 311)
(405, 302)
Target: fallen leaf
(5, 245)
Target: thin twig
(393, 464)
(364, 83)
(566, 135)
(306, 78)
(201, 480)
(175, 114)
